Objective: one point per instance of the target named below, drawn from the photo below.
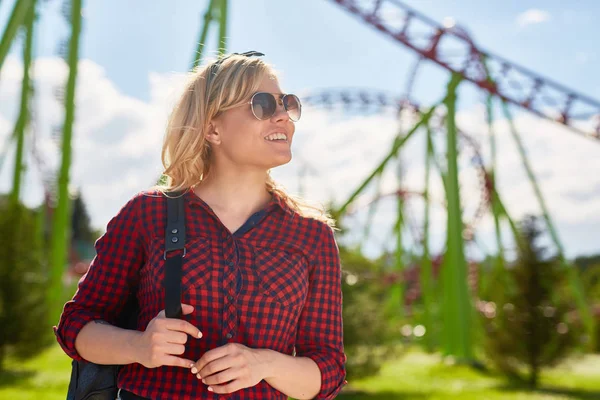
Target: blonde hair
(186, 153)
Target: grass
(421, 376)
(416, 376)
(44, 377)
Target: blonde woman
(261, 289)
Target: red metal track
(451, 48)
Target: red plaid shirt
(275, 283)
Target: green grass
(416, 376)
(420, 376)
(44, 377)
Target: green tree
(81, 229)
(368, 333)
(22, 284)
(590, 277)
(532, 325)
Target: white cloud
(116, 140)
(531, 17)
(117, 144)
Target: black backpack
(91, 381)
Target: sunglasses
(264, 105)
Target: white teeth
(277, 136)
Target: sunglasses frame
(282, 98)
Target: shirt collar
(276, 201)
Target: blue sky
(132, 47)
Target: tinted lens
(263, 105)
(292, 104)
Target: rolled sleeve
(103, 290)
(320, 330)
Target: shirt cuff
(333, 374)
(69, 327)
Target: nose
(280, 112)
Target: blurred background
(455, 143)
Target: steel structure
(498, 76)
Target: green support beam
(398, 143)
(457, 305)
(23, 119)
(223, 28)
(573, 276)
(499, 272)
(208, 18)
(219, 7)
(60, 224)
(426, 273)
(371, 213)
(16, 19)
(397, 290)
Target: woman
(261, 290)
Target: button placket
(229, 310)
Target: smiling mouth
(277, 141)
(278, 137)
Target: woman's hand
(231, 367)
(164, 339)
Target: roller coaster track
(451, 48)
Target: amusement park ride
(501, 80)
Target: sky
(133, 57)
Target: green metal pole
(456, 292)
(397, 291)
(208, 17)
(499, 266)
(398, 143)
(574, 280)
(371, 213)
(223, 28)
(17, 17)
(23, 119)
(426, 272)
(60, 226)
(513, 227)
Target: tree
(585, 262)
(368, 332)
(80, 222)
(590, 278)
(23, 280)
(534, 323)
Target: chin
(279, 161)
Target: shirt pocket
(283, 274)
(197, 266)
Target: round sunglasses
(264, 105)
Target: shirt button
(230, 263)
(229, 336)
(229, 297)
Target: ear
(212, 133)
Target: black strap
(174, 240)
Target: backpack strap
(174, 240)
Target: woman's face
(243, 140)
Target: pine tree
(531, 324)
(22, 284)
(80, 222)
